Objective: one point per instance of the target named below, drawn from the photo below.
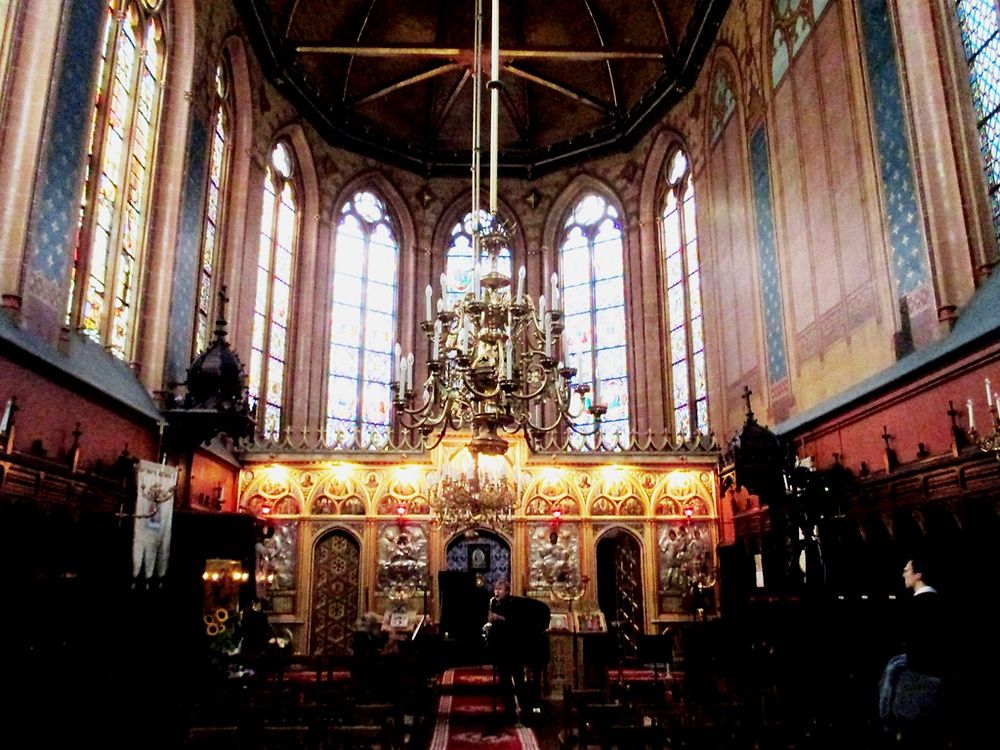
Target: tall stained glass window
(104, 288)
(458, 264)
(979, 21)
(363, 315)
(7, 10)
(211, 241)
(272, 303)
(686, 345)
(593, 285)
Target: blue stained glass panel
(378, 367)
(275, 373)
(344, 361)
(376, 403)
(611, 363)
(343, 398)
(347, 290)
(610, 327)
(697, 333)
(682, 420)
(608, 261)
(675, 303)
(577, 334)
(279, 303)
(678, 344)
(609, 293)
(350, 257)
(675, 268)
(345, 324)
(382, 262)
(694, 286)
(278, 337)
(381, 297)
(680, 382)
(369, 207)
(340, 432)
(576, 299)
(379, 330)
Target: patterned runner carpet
(466, 718)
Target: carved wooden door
(335, 587)
(619, 589)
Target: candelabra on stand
(989, 443)
(570, 587)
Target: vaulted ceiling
(392, 78)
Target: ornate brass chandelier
(493, 363)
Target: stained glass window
(7, 10)
(211, 241)
(593, 289)
(273, 299)
(980, 26)
(458, 263)
(363, 327)
(108, 260)
(791, 21)
(685, 322)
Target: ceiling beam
(450, 101)
(403, 83)
(578, 54)
(605, 109)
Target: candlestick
(409, 372)
(520, 282)
(555, 291)
(972, 419)
(510, 359)
(444, 286)
(428, 295)
(399, 364)
(989, 393)
(541, 309)
(435, 347)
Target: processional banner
(154, 512)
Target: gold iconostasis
(358, 532)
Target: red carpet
(467, 722)
(466, 676)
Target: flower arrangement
(222, 629)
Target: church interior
(326, 314)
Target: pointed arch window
(593, 287)
(8, 11)
(979, 22)
(458, 263)
(211, 260)
(108, 263)
(686, 340)
(272, 303)
(363, 315)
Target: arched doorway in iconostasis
(336, 577)
(619, 588)
(474, 561)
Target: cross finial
(220, 320)
(885, 435)
(747, 393)
(953, 413)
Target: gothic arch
(305, 281)
(453, 213)
(239, 175)
(406, 239)
(151, 344)
(567, 198)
